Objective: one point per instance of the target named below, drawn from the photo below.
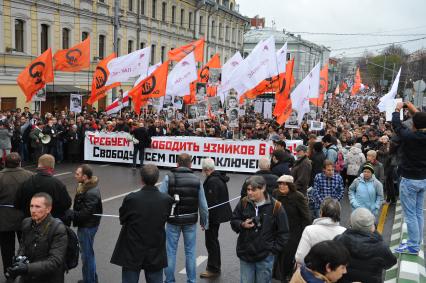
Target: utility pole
(116, 27)
(383, 76)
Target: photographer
(43, 246)
(263, 231)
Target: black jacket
(216, 192)
(87, 202)
(183, 182)
(256, 244)
(44, 182)
(142, 240)
(317, 159)
(45, 246)
(413, 150)
(281, 168)
(369, 256)
(141, 134)
(270, 178)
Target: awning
(62, 90)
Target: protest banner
(229, 155)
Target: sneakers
(209, 274)
(405, 249)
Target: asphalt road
(116, 181)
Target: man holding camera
(42, 251)
(188, 193)
(262, 225)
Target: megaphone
(45, 139)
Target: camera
(20, 259)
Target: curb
(409, 268)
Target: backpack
(73, 248)
(277, 205)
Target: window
(163, 53)
(163, 11)
(220, 31)
(231, 6)
(19, 35)
(65, 38)
(101, 46)
(213, 29)
(142, 7)
(182, 15)
(142, 45)
(44, 38)
(118, 47)
(154, 8)
(190, 20)
(153, 54)
(227, 33)
(84, 35)
(200, 30)
(129, 46)
(130, 5)
(173, 14)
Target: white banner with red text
(229, 155)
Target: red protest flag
(323, 87)
(343, 86)
(73, 59)
(357, 85)
(35, 76)
(153, 86)
(286, 112)
(179, 53)
(100, 77)
(283, 94)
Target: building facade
(28, 27)
(305, 53)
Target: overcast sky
(392, 17)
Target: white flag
(227, 70)
(388, 98)
(151, 69)
(314, 81)
(262, 64)
(181, 76)
(301, 94)
(130, 65)
(118, 104)
(282, 58)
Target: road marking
(104, 165)
(200, 260)
(123, 195)
(382, 218)
(61, 174)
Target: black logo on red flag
(72, 56)
(36, 71)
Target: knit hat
(358, 145)
(368, 166)
(362, 219)
(419, 120)
(285, 179)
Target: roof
(65, 89)
(253, 36)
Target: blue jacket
(367, 194)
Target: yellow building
(28, 27)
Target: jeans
(7, 246)
(257, 272)
(86, 237)
(412, 196)
(141, 155)
(213, 248)
(132, 276)
(172, 240)
(60, 151)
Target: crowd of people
(287, 219)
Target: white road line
(61, 174)
(104, 165)
(200, 260)
(122, 195)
